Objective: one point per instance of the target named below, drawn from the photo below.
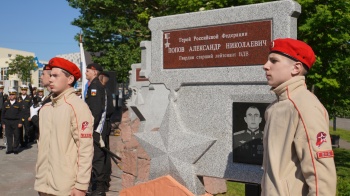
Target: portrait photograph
(248, 131)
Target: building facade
(12, 81)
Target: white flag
(84, 82)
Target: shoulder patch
(84, 125)
(239, 132)
(93, 92)
(320, 138)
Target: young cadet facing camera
(65, 148)
(298, 156)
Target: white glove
(34, 111)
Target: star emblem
(167, 45)
(175, 151)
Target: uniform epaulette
(239, 132)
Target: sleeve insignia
(86, 135)
(93, 92)
(320, 138)
(84, 125)
(325, 154)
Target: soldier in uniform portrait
(247, 143)
(11, 118)
(27, 101)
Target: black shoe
(15, 152)
(8, 152)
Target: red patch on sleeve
(325, 154)
(321, 138)
(84, 125)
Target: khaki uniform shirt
(65, 146)
(298, 156)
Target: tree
(22, 65)
(324, 25)
(114, 29)
(117, 27)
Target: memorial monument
(209, 67)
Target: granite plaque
(217, 46)
(248, 129)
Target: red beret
(65, 65)
(294, 49)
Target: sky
(39, 26)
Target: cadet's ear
(297, 69)
(70, 79)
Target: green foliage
(22, 65)
(116, 28)
(324, 25)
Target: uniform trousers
(107, 169)
(26, 131)
(98, 163)
(12, 135)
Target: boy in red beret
(298, 156)
(65, 148)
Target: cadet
(34, 117)
(26, 103)
(12, 121)
(40, 94)
(298, 155)
(95, 98)
(65, 147)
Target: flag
(84, 82)
(37, 63)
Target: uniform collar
(253, 132)
(62, 97)
(290, 85)
(94, 80)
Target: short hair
(253, 107)
(67, 74)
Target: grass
(344, 134)
(342, 164)
(234, 189)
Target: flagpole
(83, 69)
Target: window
(3, 73)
